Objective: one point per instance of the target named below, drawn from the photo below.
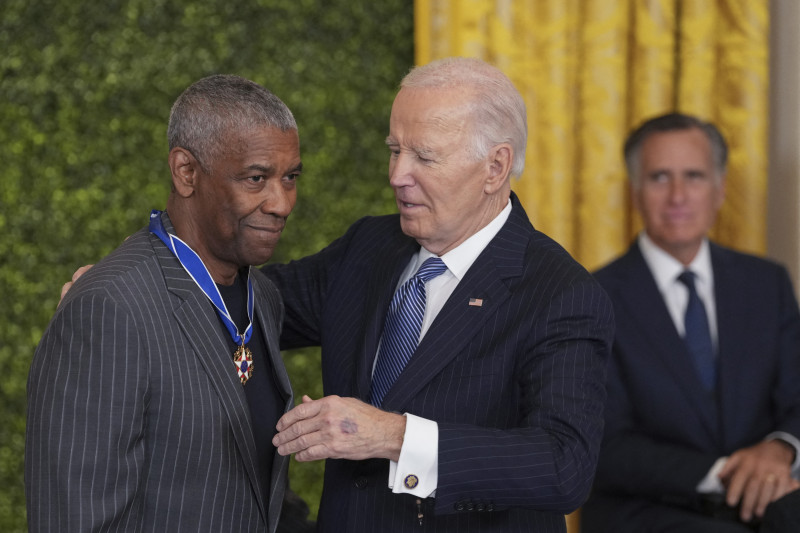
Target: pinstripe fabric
(136, 419)
(515, 385)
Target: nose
(677, 190)
(400, 171)
(278, 199)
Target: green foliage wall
(85, 93)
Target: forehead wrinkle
(454, 120)
(264, 169)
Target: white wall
(783, 214)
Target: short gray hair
(673, 122)
(498, 110)
(218, 109)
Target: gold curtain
(590, 70)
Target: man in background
(703, 410)
(463, 351)
(154, 393)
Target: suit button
(480, 507)
(470, 507)
(459, 506)
(361, 483)
(490, 507)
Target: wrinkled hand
(68, 285)
(339, 428)
(757, 476)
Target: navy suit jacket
(663, 432)
(136, 417)
(515, 385)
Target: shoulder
(550, 276)
(725, 257)
(367, 240)
(540, 256)
(749, 274)
(265, 289)
(621, 267)
(757, 283)
(126, 272)
(375, 229)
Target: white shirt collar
(666, 268)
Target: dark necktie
(402, 328)
(698, 334)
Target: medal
(243, 359)
(191, 262)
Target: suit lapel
(206, 335)
(269, 325)
(645, 306)
(458, 321)
(734, 331)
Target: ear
(185, 171)
(500, 159)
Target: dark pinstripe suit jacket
(662, 431)
(515, 385)
(136, 419)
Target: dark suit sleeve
(84, 454)
(545, 461)
(303, 286)
(634, 463)
(786, 395)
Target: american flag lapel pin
(476, 302)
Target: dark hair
(674, 122)
(215, 111)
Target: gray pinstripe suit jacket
(515, 385)
(136, 419)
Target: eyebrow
(271, 168)
(420, 150)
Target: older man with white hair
(463, 351)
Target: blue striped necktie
(402, 328)
(698, 334)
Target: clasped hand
(757, 476)
(339, 428)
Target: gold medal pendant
(243, 359)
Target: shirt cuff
(792, 441)
(711, 484)
(417, 470)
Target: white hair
(497, 108)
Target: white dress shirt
(666, 269)
(419, 455)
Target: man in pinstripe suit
(138, 418)
(494, 424)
